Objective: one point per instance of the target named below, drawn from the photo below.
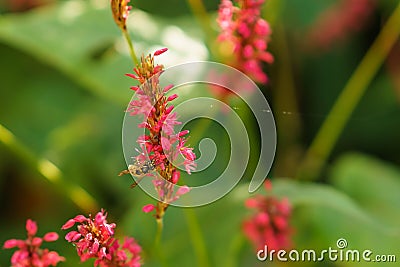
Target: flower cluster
(30, 254)
(246, 35)
(160, 144)
(339, 21)
(94, 238)
(270, 224)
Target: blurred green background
(62, 100)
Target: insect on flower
(139, 169)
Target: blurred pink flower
(340, 21)
(30, 254)
(94, 238)
(270, 224)
(247, 35)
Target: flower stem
(345, 104)
(200, 12)
(197, 238)
(160, 226)
(131, 48)
(157, 248)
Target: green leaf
(372, 183)
(81, 39)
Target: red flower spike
(247, 35)
(161, 145)
(270, 224)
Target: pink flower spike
(95, 247)
(31, 227)
(160, 51)
(148, 208)
(172, 97)
(29, 252)
(167, 88)
(50, 237)
(135, 88)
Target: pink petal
(268, 185)
(50, 237)
(95, 247)
(175, 176)
(169, 109)
(160, 51)
(185, 132)
(13, 243)
(183, 190)
(167, 88)
(51, 258)
(252, 203)
(37, 241)
(72, 236)
(68, 224)
(31, 227)
(172, 97)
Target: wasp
(139, 169)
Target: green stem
(334, 124)
(200, 12)
(285, 97)
(131, 48)
(160, 226)
(233, 250)
(197, 238)
(49, 171)
(157, 242)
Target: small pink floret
(148, 208)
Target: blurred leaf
(80, 39)
(372, 183)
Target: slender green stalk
(160, 226)
(158, 250)
(131, 48)
(285, 96)
(202, 16)
(49, 171)
(334, 124)
(233, 250)
(196, 235)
